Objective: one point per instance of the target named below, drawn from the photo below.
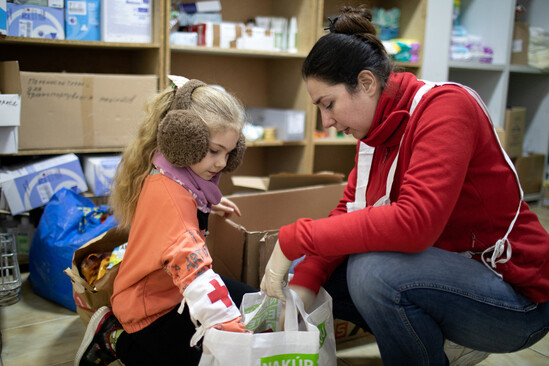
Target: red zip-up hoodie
(452, 189)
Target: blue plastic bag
(69, 221)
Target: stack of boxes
(201, 24)
(80, 20)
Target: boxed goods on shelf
(82, 20)
(519, 48)
(514, 131)
(71, 110)
(241, 246)
(126, 21)
(3, 18)
(289, 124)
(530, 170)
(35, 21)
(31, 186)
(10, 106)
(99, 172)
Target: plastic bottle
(25, 233)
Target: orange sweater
(166, 252)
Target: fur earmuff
(183, 138)
(236, 155)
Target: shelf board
(523, 69)
(236, 52)
(475, 66)
(263, 143)
(335, 141)
(91, 150)
(70, 43)
(410, 65)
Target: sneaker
(96, 348)
(462, 356)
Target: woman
(431, 242)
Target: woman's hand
(276, 270)
(226, 208)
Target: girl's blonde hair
(218, 109)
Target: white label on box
(10, 109)
(517, 45)
(76, 7)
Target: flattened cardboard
(235, 244)
(286, 181)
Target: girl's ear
(367, 82)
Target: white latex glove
(306, 295)
(277, 268)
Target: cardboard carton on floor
(71, 110)
(241, 246)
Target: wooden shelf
(74, 44)
(236, 52)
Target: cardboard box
(99, 172)
(515, 119)
(345, 331)
(530, 170)
(65, 110)
(82, 20)
(10, 106)
(126, 21)
(519, 48)
(31, 186)
(241, 246)
(35, 21)
(289, 124)
(285, 181)
(10, 94)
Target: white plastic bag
(298, 344)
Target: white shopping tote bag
(298, 344)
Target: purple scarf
(205, 192)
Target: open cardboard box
(241, 246)
(285, 181)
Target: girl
(432, 241)
(164, 189)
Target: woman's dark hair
(350, 47)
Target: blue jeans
(411, 303)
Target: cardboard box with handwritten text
(69, 110)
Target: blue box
(35, 21)
(82, 20)
(99, 172)
(3, 18)
(32, 186)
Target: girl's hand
(226, 208)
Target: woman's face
(349, 113)
(221, 144)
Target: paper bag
(90, 298)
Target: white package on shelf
(126, 21)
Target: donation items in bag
(307, 339)
(69, 220)
(94, 268)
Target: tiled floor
(38, 332)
